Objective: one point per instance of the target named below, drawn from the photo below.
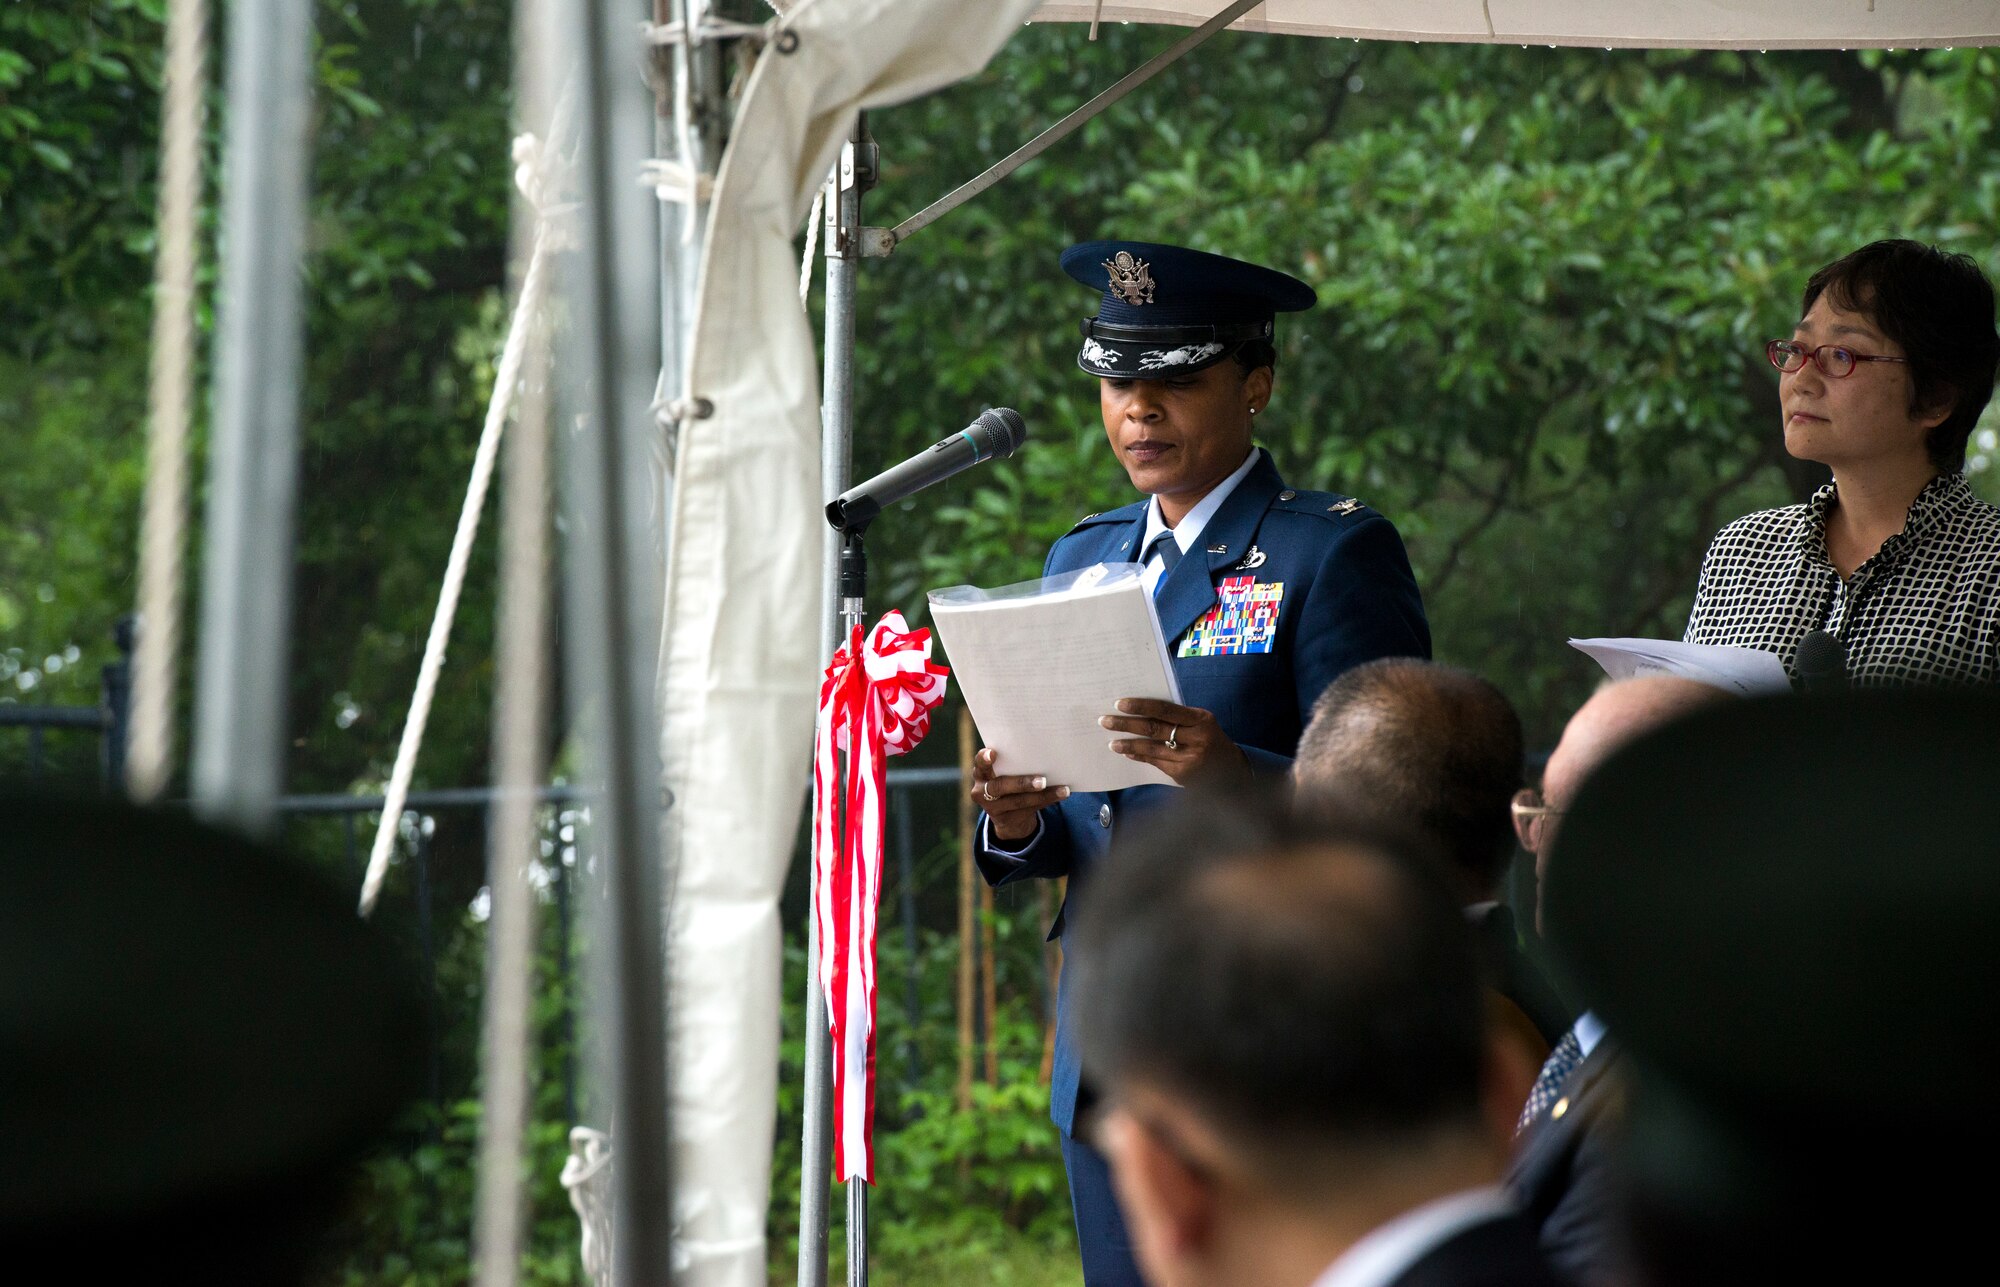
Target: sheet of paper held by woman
(1041, 661)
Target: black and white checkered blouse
(1925, 609)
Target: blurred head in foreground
(1288, 1022)
(1785, 908)
(198, 1040)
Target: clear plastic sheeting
(739, 663)
(1682, 24)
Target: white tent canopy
(1656, 24)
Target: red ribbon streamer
(874, 702)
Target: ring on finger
(1173, 731)
(989, 791)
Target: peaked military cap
(1168, 310)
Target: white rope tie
(163, 526)
(812, 246)
(532, 177)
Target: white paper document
(1746, 672)
(1040, 662)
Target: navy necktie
(1562, 1061)
(1169, 551)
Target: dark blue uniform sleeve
(1364, 605)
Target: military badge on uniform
(1131, 278)
(1254, 559)
(1347, 506)
(1244, 620)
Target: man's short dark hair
(1938, 308)
(1310, 992)
(1419, 745)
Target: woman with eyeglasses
(1882, 381)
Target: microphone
(997, 432)
(1821, 663)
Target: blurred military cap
(195, 1031)
(1788, 898)
(1786, 910)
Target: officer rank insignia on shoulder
(1309, 502)
(1243, 620)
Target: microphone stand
(845, 581)
(853, 615)
(853, 581)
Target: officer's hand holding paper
(1049, 667)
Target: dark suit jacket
(1493, 1253)
(1347, 596)
(1514, 974)
(1565, 1171)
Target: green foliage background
(1544, 276)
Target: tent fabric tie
(706, 29)
(672, 181)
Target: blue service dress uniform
(1344, 595)
(1280, 592)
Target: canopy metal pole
(239, 737)
(855, 175)
(1062, 129)
(612, 601)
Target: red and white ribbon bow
(872, 710)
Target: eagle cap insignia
(1131, 278)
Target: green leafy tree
(1545, 277)
(79, 90)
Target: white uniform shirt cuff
(1000, 850)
